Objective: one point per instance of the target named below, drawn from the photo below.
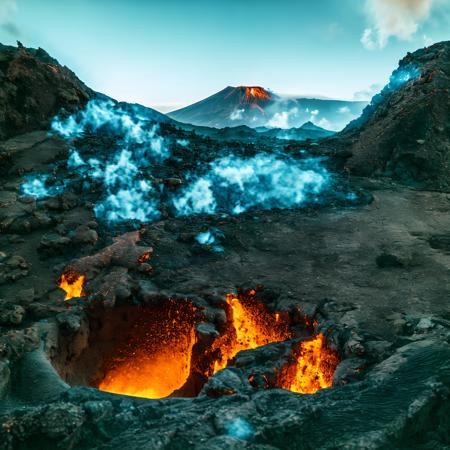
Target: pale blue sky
(173, 52)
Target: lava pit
(313, 368)
(72, 283)
(250, 325)
(160, 350)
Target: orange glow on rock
(314, 368)
(256, 92)
(72, 283)
(155, 360)
(251, 325)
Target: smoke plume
(389, 18)
(235, 185)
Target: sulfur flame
(72, 283)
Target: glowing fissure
(72, 283)
(252, 326)
(314, 367)
(156, 354)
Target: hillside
(405, 131)
(35, 87)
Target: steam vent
(252, 271)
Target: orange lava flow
(155, 359)
(72, 283)
(252, 326)
(314, 369)
(256, 92)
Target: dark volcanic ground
(372, 275)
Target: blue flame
(210, 238)
(205, 238)
(240, 429)
(100, 114)
(402, 75)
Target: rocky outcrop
(405, 132)
(34, 87)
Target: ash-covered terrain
(167, 286)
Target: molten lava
(314, 368)
(256, 92)
(72, 283)
(251, 325)
(155, 358)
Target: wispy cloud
(368, 93)
(8, 9)
(393, 18)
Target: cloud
(344, 110)
(7, 10)
(368, 93)
(236, 114)
(281, 118)
(393, 18)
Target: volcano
(255, 106)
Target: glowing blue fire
(402, 75)
(239, 428)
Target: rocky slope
(34, 88)
(405, 131)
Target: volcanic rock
(34, 88)
(405, 133)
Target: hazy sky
(167, 53)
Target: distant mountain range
(255, 107)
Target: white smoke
(236, 114)
(281, 118)
(209, 238)
(128, 195)
(368, 93)
(182, 142)
(235, 185)
(98, 114)
(231, 184)
(37, 187)
(389, 18)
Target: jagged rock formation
(34, 87)
(405, 131)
